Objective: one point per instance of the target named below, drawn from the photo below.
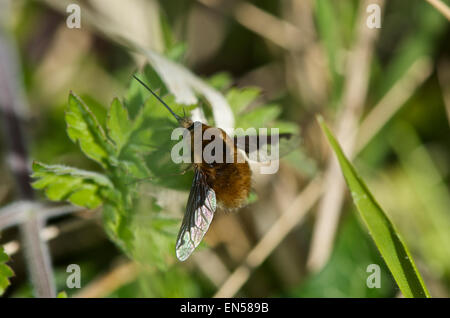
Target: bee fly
(222, 184)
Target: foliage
(135, 144)
(5, 271)
(386, 237)
(406, 163)
(62, 294)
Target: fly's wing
(266, 148)
(199, 213)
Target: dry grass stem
(356, 85)
(106, 284)
(441, 7)
(285, 223)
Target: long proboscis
(178, 118)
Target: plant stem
(11, 102)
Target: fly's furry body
(230, 179)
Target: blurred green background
(307, 57)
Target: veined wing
(263, 148)
(199, 213)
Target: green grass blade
(386, 237)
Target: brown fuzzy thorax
(230, 181)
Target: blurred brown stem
(105, 285)
(280, 32)
(400, 92)
(290, 219)
(11, 102)
(354, 95)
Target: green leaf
(258, 118)
(80, 187)
(155, 238)
(177, 52)
(220, 81)
(148, 150)
(286, 127)
(118, 124)
(62, 294)
(5, 271)
(137, 95)
(117, 223)
(174, 50)
(386, 237)
(83, 127)
(240, 99)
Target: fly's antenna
(178, 118)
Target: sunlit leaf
(220, 81)
(62, 294)
(240, 99)
(83, 127)
(386, 237)
(260, 117)
(155, 238)
(63, 183)
(5, 271)
(118, 124)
